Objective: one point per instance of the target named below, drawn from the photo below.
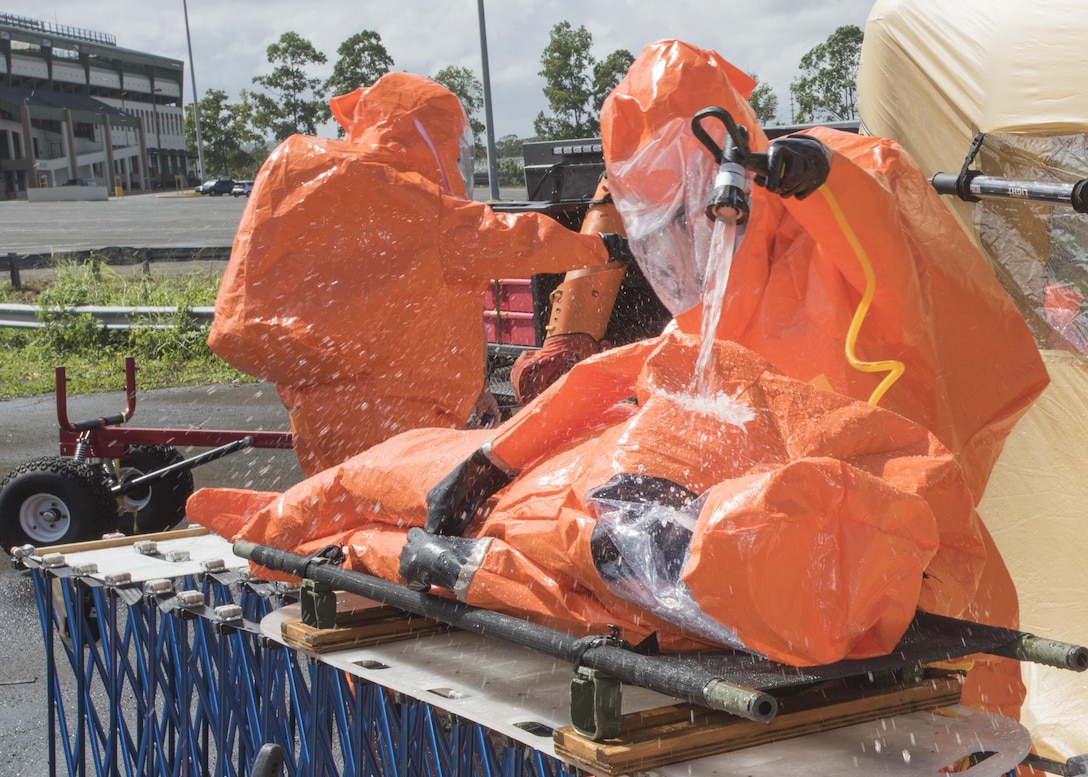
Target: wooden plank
(119, 542)
(684, 732)
(360, 628)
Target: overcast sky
(230, 37)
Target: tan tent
(934, 75)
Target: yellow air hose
(894, 368)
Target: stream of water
(718, 264)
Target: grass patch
(94, 356)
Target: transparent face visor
(660, 194)
(467, 159)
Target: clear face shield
(466, 160)
(660, 193)
(466, 152)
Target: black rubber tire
(160, 505)
(54, 500)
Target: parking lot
(137, 221)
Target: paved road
(137, 221)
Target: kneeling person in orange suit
(358, 272)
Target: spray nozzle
(728, 197)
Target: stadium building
(76, 107)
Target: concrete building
(76, 106)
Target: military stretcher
(554, 695)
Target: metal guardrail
(30, 316)
(109, 256)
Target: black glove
(618, 249)
(454, 501)
(797, 165)
(428, 560)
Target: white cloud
(230, 37)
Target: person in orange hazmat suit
(580, 308)
(764, 473)
(844, 272)
(781, 509)
(847, 271)
(357, 275)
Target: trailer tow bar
(128, 486)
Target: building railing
(74, 33)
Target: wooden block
(359, 628)
(682, 732)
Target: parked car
(82, 182)
(242, 188)
(216, 187)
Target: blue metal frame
(162, 691)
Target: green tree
(291, 103)
(363, 60)
(764, 102)
(255, 144)
(607, 73)
(827, 88)
(567, 65)
(508, 146)
(470, 91)
(511, 173)
(225, 132)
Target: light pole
(196, 101)
(492, 163)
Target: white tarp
(933, 75)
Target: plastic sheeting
(357, 277)
(933, 74)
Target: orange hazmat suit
(357, 276)
(799, 274)
(801, 489)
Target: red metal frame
(106, 438)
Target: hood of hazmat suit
(357, 276)
(660, 195)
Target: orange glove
(534, 371)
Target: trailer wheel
(157, 506)
(53, 500)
